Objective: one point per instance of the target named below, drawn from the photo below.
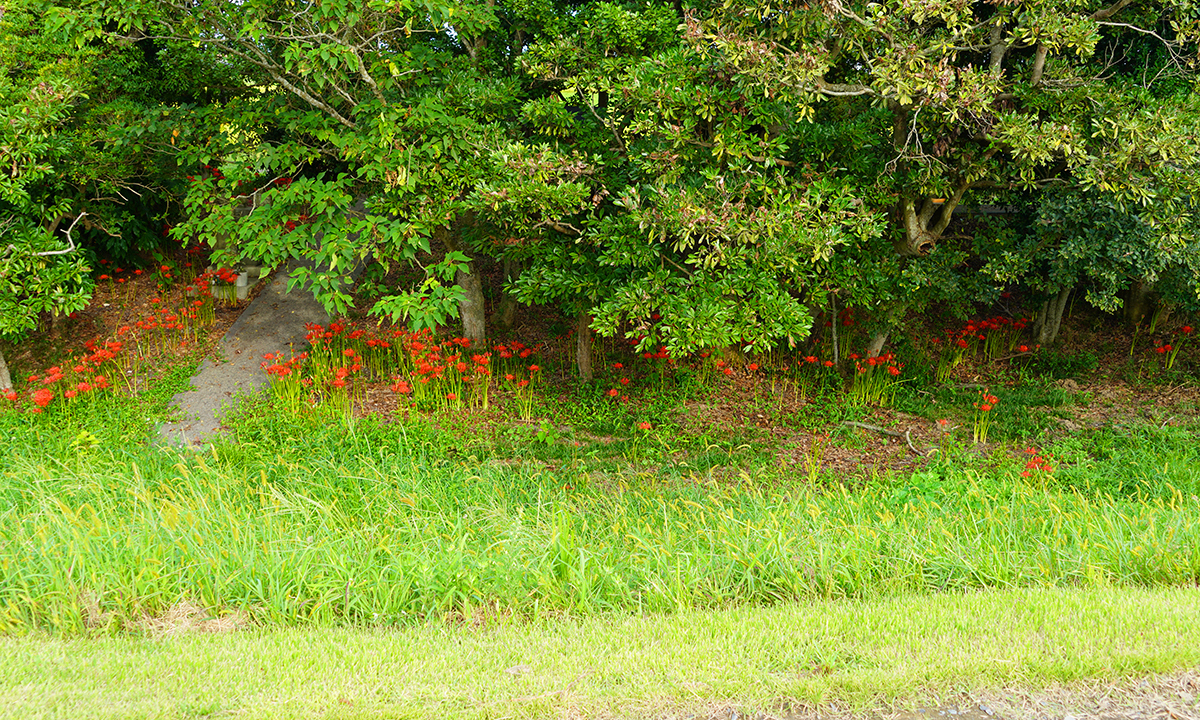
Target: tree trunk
(583, 345)
(5, 378)
(1137, 302)
(471, 308)
(1050, 318)
(875, 346)
(506, 314)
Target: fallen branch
(906, 435)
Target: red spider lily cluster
(1038, 463)
(1170, 350)
(983, 418)
(886, 362)
(995, 336)
(85, 376)
(435, 373)
(986, 402)
(875, 378)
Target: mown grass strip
(860, 654)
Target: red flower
(1024, 348)
(43, 396)
(534, 368)
(461, 367)
(617, 366)
(614, 392)
(828, 363)
(985, 407)
(810, 358)
(643, 425)
(451, 396)
(1186, 329)
(348, 352)
(753, 367)
(893, 370)
(624, 381)
(105, 277)
(728, 371)
(509, 376)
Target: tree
(41, 267)
(984, 98)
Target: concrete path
(272, 323)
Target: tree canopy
(729, 169)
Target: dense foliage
(730, 171)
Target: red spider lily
(42, 397)
(828, 363)
(624, 381)
(893, 370)
(402, 387)
(461, 367)
(105, 277)
(451, 396)
(510, 376)
(984, 407)
(752, 367)
(617, 366)
(810, 359)
(10, 395)
(614, 392)
(534, 368)
(338, 383)
(643, 425)
(728, 371)
(523, 383)
(348, 352)
(1186, 329)
(69, 394)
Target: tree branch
(70, 241)
(1039, 64)
(1111, 10)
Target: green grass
(311, 520)
(856, 654)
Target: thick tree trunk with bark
(1138, 303)
(1050, 318)
(5, 378)
(471, 309)
(506, 313)
(875, 345)
(583, 345)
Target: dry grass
(187, 617)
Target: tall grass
(311, 520)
